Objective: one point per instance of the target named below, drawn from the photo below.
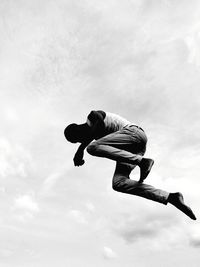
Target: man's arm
(96, 122)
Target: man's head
(76, 133)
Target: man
(109, 135)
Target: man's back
(112, 122)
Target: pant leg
(122, 183)
(127, 145)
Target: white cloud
(14, 159)
(25, 208)
(10, 114)
(90, 206)
(108, 253)
(50, 182)
(24, 217)
(155, 228)
(194, 235)
(193, 42)
(2, 190)
(78, 216)
(6, 253)
(26, 202)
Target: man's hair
(71, 132)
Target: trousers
(127, 147)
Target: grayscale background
(59, 59)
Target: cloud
(15, 160)
(134, 231)
(108, 253)
(194, 235)
(6, 253)
(195, 243)
(140, 229)
(26, 202)
(24, 217)
(90, 206)
(50, 182)
(193, 41)
(78, 216)
(25, 208)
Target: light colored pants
(127, 147)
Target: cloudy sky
(59, 59)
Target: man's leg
(127, 145)
(122, 183)
(115, 146)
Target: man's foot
(145, 168)
(177, 200)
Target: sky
(60, 59)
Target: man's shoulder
(103, 113)
(96, 114)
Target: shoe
(177, 200)
(145, 168)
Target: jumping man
(110, 136)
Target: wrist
(81, 148)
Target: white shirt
(114, 122)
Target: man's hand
(78, 158)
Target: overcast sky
(59, 59)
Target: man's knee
(124, 184)
(118, 186)
(92, 148)
(115, 187)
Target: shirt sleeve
(95, 116)
(92, 117)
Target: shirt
(114, 122)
